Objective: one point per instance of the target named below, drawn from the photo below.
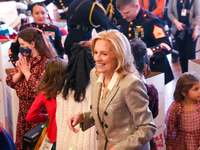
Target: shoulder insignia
(158, 32)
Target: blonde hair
(122, 49)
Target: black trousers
(186, 48)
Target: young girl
(182, 130)
(48, 88)
(24, 78)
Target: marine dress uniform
(82, 17)
(52, 34)
(149, 29)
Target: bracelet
(83, 117)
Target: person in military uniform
(62, 6)
(82, 17)
(142, 24)
(52, 33)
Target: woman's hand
(179, 25)
(1, 124)
(195, 33)
(18, 75)
(74, 120)
(25, 67)
(18, 68)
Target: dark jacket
(79, 26)
(149, 29)
(51, 31)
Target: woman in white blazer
(119, 99)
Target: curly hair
(138, 48)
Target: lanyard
(183, 3)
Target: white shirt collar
(112, 81)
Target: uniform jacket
(126, 122)
(156, 9)
(79, 26)
(149, 29)
(194, 16)
(116, 15)
(52, 34)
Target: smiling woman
(106, 60)
(116, 92)
(39, 14)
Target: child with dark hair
(48, 88)
(141, 61)
(183, 118)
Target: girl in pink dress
(182, 121)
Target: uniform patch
(139, 32)
(158, 32)
(50, 33)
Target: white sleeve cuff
(149, 52)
